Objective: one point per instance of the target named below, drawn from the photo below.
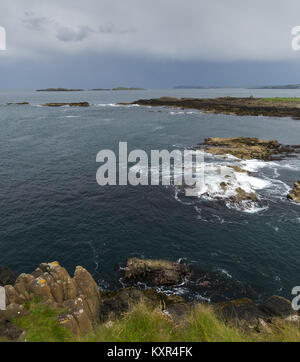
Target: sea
(53, 209)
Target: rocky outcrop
(277, 306)
(6, 276)
(78, 104)
(156, 272)
(231, 105)
(294, 195)
(18, 104)
(79, 296)
(248, 148)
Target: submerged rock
(156, 272)
(295, 194)
(78, 104)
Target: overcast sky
(158, 43)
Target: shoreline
(270, 107)
(81, 307)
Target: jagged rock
(242, 195)
(295, 194)
(74, 104)
(6, 276)
(278, 307)
(88, 287)
(156, 272)
(54, 286)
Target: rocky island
(59, 90)
(62, 104)
(270, 107)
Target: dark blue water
(51, 207)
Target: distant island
(195, 87)
(91, 90)
(59, 90)
(99, 89)
(288, 86)
(125, 88)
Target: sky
(151, 44)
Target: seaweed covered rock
(156, 272)
(247, 148)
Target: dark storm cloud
(163, 39)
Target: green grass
(41, 325)
(201, 325)
(279, 99)
(143, 324)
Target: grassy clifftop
(144, 324)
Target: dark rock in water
(215, 287)
(18, 104)
(295, 194)
(78, 104)
(190, 282)
(156, 272)
(7, 277)
(278, 307)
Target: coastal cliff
(73, 308)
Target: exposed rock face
(78, 104)
(52, 283)
(247, 148)
(156, 272)
(230, 105)
(295, 194)
(6, 276)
